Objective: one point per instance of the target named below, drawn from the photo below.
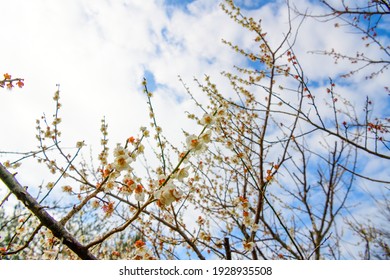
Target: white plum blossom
(221, 113)
(207, 119)
(168, 194)
(206, 136)
(139, 193)
(128, 185)
(182, 173)
(119, 150)
(141, 252)
(122, 159)
(122, 162)
(195, 144)
(248, 246)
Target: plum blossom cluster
(119, 174)
(141, 251)
(128, 184)
(7, 81)
(243, 205)
(167, 192)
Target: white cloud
(99, 51)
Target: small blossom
(182, 173)
(67, 189)
(20, 83)
(110, 185)
(119, 151)
(255, 227)
(131, 140)
(168, 194)
(80, 144)
(244, 203)
(8, 164)
(195, 144)
(207, 119)
(229, 144)
(182, 157)
(139, 244)
(141, 251)
(139, 193)
(141, 149)
(56, 96)
(269, 178)
(247, 218)
(204, 236)
(206, 136)
(115, 254)
(248, 246)
(200, 221)
(122, 160)
(221, 113)
(219, 244)
(56, 121)
(95, 204)
(128, 186)
(122, 163)
(108, 208)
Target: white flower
(207, 119)
(182, 173)
(255, 227)
(183, 157)
(141, 149)
(122, 162)
(119, 151)
(128, 185)
(122, 159)
(168, 194)
(229, 144)
(195, 144)
(248, 246)
(204, 236)
(221, 113)
(145, 131)
(139, 193)
(206, 136)
(110, 185)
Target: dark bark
(48, 221)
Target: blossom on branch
(139, 193)
(168, 194)
(207, 119)
(122, 159)
(195, 144)
(8, 81)
(141, 251)
(182, 173)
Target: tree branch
(48, 221)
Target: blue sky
(99, 52)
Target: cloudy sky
(100, 50)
